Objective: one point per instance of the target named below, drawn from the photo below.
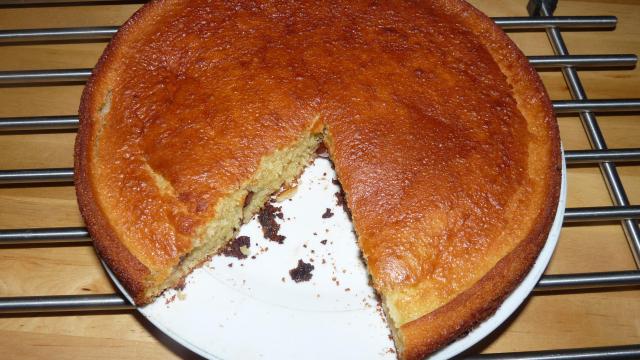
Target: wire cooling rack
(541, 19)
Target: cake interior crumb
(302, 272)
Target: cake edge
(126, 267)
(433, 331)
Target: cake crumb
(323, 242)
(267, 218)
(342, 201)
(287, 194)
(170, 299)
(237, 248)
(327, 214)
(302, 272)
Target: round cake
(441, 133)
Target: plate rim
(518, 295)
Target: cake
(441, 134)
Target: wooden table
(546, 321)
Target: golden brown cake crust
(126, 266)
(440, 327)
(404, 88)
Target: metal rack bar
(58, 34)
(565, 22)
(66, 174)
(44, 236)
(36, 175)
(596, 138)
(106, 32)
(62, 122)
(545, 61)
(559, 106)
(602, 213)
(80, 234)
(43, 76)
(599, 353)
(116, 301)
(550, 61)
(601, 105)
(594, 156)
(553, 61)
(588, 280)
(63, 303)
(55, 2)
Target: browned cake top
(441, 134)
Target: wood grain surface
(545, 321)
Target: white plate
(251, 308)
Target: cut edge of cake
(279, 169)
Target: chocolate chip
(322, 151)
(247, 199)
